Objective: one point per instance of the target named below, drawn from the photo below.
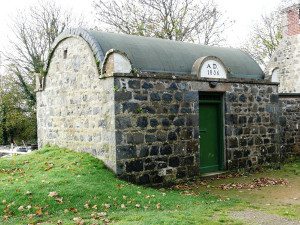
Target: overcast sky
(243, 12)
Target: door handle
(203, 130)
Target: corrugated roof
(166, 56)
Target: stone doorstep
(213, 174)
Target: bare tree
(264, 37)
(34, 31)
(182, 20)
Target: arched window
(275, 75)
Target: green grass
(82, 182)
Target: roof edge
(85, 35)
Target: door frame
(221, 126)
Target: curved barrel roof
(165, 56)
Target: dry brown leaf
(39, 212)
(53, 194)
(158, 205)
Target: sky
(243, 12)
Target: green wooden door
(210, 136)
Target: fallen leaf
(59, 200)
(21, 208)
(74, 210)
(123, 206)
(107, 206)
(94, 207)
(137, 205)
(53, 194)
(158, 205)
(39, 212)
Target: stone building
(157, 110)
(284, 68)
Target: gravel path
(262, 218)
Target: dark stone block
(271, 149)
(144, 179)
(129, 178)
(166, 150)
(142, 122)
(140, 97)
(135, 138)
(242, 98)
(262, 130)
(150, 138)
(191, 96)
(179, 121)
(173, 87)
(157, 179)
(178, 96)
(144, 152)
(193, 171)
(258, 99)
(130, 107)
(274, 98)
(246, 153)
(126, 152)
(231, 97)
(243, 142)
(232, 142)
(155, 97)
(237, 154)
(123, 122)
(123, 96)
(172, 136)
(154, 150)
(134, 84)
(148, 109)
(167, 97)
(250, 141)
(162, 165)
(174, 161)
(231, 119)
(134, 166)
(238, 131)
(150, 166)
(165, 122)
(242, 119)
(119, 137)
(147, 85)
(187, 161)
(282, 121)
(271, 130)
(174, 109)
(185, 110)
(161, 136)
(153, 122)
(192, 120)
(181, 173)
(192, 146)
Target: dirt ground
(271, 195)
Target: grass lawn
(58, 186)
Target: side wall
(76, 108)
(290, 124)
(157, 127)
(286, 58)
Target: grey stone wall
(286, 59)
(289, 120)
(157, 126)
(156, 130)
(251, 125)
(76, 109)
